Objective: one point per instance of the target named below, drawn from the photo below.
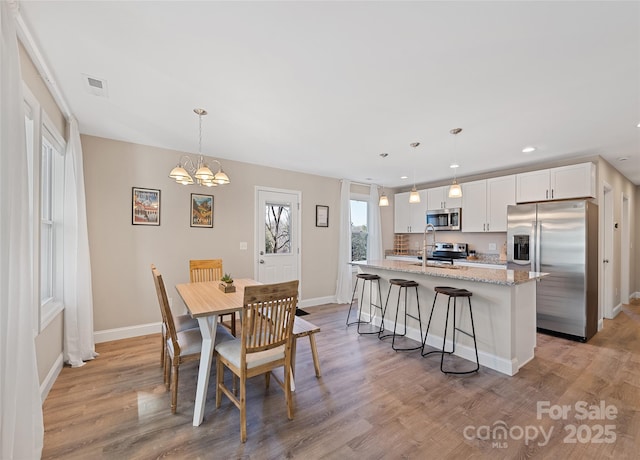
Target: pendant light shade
(455, 191)
(414, 196)
(383, 201)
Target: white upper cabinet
(573, 181)
(501, 192)
(484, 204)
(409, 217)
(438, 198)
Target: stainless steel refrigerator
(559, 238)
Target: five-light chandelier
(188, 172)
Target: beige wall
(121, 253)
(620, 187)
(49, 341)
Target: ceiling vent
(95, 86)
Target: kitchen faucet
(424, 243)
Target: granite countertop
(479, 274)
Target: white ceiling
(325, 87)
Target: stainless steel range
(447, 252)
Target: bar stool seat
(371, 278)
(454, 293)
(402, 284)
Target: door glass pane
(277, 228)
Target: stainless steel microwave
(445, 219)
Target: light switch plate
(492, 246)
(243, 245)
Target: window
(359, 232)
(278, 229)
(45, 159)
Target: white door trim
(607, 251)
(625, 250)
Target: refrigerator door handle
(538, 251)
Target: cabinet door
(501, 192)
(401, 213)
(435, 198)
(533, 186)
(418, 212)
(575, 181)
(474, 206)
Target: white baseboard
(51, 377)
(126, 332)
(617, 309)
(600, 324)
(317, 301)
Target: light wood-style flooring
(370, 403)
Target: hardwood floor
(370, 403)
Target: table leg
(208, 331)
(314, 353)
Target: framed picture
(201, 210)
(322, 216)
(145, 207)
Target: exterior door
(277, 235)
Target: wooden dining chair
(181, 346)
(181, 322)
(265, 344)
(210, 270)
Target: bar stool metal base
(371, 278)
(452, 293)
(402, 284)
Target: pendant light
(455, 191)
(383, 201)
(414, 196)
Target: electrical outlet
(243, 245)
(492, 246)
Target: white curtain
(343, 288)
(79, 345)
(21, 426)
(374, 245)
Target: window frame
(358, 197)
(43, 131)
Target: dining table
(205, 302)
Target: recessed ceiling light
(638, 125)
(454, 165)
(528, 149)
(623, 158)
(404, 177)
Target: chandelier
(189, 172)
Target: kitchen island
(504, 309)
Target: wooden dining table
(205, 301)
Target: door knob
(606, 261)
(261, 261)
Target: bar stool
(454, 293)
(402, 284)
(371, 278)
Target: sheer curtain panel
(79, 345)
(374, 245)
(21, 426)
(343, 287)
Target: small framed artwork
(322, 216)
(201, 210)
(145, 207)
